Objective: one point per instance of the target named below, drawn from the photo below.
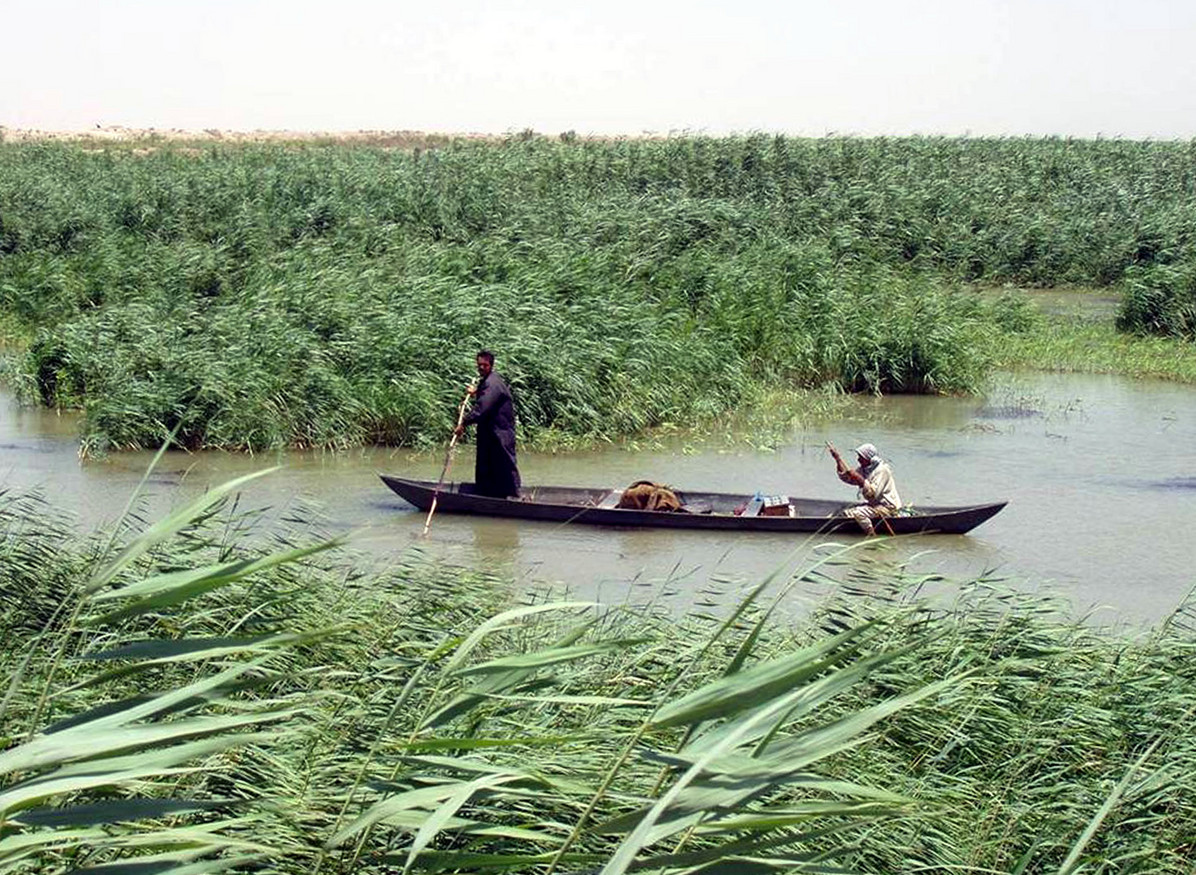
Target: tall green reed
(220, 700)
(262, 296)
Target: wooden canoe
(708, 510)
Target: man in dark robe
(493, 412)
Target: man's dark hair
(487, 355)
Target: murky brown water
(1100, 473)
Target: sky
(1082, 68)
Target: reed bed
(1055, 344)
(255, 296)
(1160, 299)
(198, 694)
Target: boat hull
(569, 504)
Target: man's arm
(471, 391)
(846, 474)
(492, 395)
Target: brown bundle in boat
(646, 495)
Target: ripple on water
(1011, 411)
(1173, 483)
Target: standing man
(493, 411)
(874, 477)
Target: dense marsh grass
(181, 699)
(1161, 300)
(258, 296)
(1058, 344)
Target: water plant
(332, 295)
(1160, 299)
(196, 695)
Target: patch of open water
(1097, 470)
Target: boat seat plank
(612, 498)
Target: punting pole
(448, 458)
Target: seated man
(874, 477)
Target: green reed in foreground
(180, 700)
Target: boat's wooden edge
(611, 498)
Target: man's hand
(459, 430)
(846, 473)
(471, 389)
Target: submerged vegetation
(326, 295)
(178, 699)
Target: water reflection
(498, 545)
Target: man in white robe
(878, 489)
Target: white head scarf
(870, 456)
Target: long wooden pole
(448, 458)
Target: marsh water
(1100, 473)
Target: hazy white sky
(1117, 68)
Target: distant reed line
(331, 295)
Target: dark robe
(493, 412)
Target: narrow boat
(704, 510)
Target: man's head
(865, 453)
(485, 363)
